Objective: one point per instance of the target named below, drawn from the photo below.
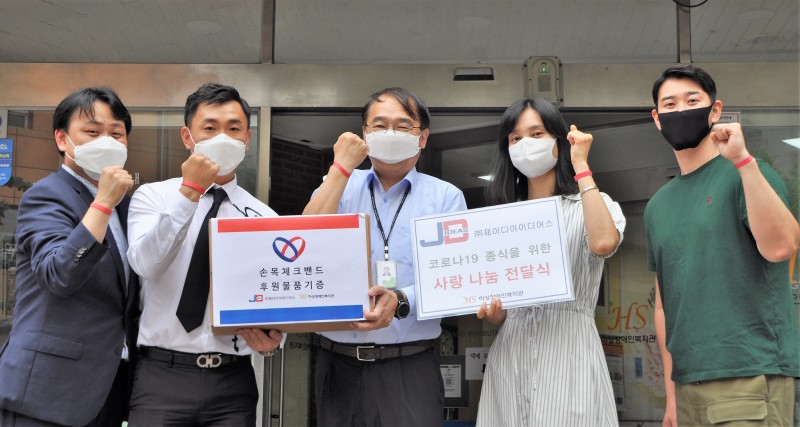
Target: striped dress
(546, 367)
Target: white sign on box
(516, 252)
(292, 273)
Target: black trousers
(113, 412)
(167, 394)
(406, 391)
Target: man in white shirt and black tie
(187, 376)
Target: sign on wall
(476, 362)
(6, 152)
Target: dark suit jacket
(72, 308)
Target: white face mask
(222, 150)
(98, 153)
(390, 147)
(533, 157)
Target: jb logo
(281, 246)
(448, 232)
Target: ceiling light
(485, 177)
(473, 74)
(795, 142)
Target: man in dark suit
(73, 336)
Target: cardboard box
(293, 273)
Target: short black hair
(410, 102)
(213, 93)
(82, 101)
(509, 184)
(691, 72)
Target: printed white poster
(516, 252)
(451, 375)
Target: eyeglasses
(403, 127)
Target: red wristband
(744, 162)
(100, 208)
(341, 169)
(194, 186)
(582, 175)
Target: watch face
(403, 310)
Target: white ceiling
(393, 31)
(408, 31)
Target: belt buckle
(358, 353)
(209, 360)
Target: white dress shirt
(162, 229)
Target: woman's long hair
(508, 184)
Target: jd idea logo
(455, 231)
(281, 246)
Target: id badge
(387, 273)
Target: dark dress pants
(405, 391)
(167, 394)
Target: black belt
(367, 352)
(205, 360)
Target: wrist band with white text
(194, 186)
(101, 208)
(583, 175)
(744, 162)
(341, 169)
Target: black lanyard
(378, 218)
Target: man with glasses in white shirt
(384, 372)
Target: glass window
(155, 153)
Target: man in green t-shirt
(718, 238)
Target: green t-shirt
(728, 311)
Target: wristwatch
(403, 309)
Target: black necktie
(194, 297)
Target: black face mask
(685, 129)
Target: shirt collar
(89, 186)
(411, 177)
(229, 187)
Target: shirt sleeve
(157, 227)
(651, 258)
(314, 193)
(774, 180)
(619, 223)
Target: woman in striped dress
(546, 367)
